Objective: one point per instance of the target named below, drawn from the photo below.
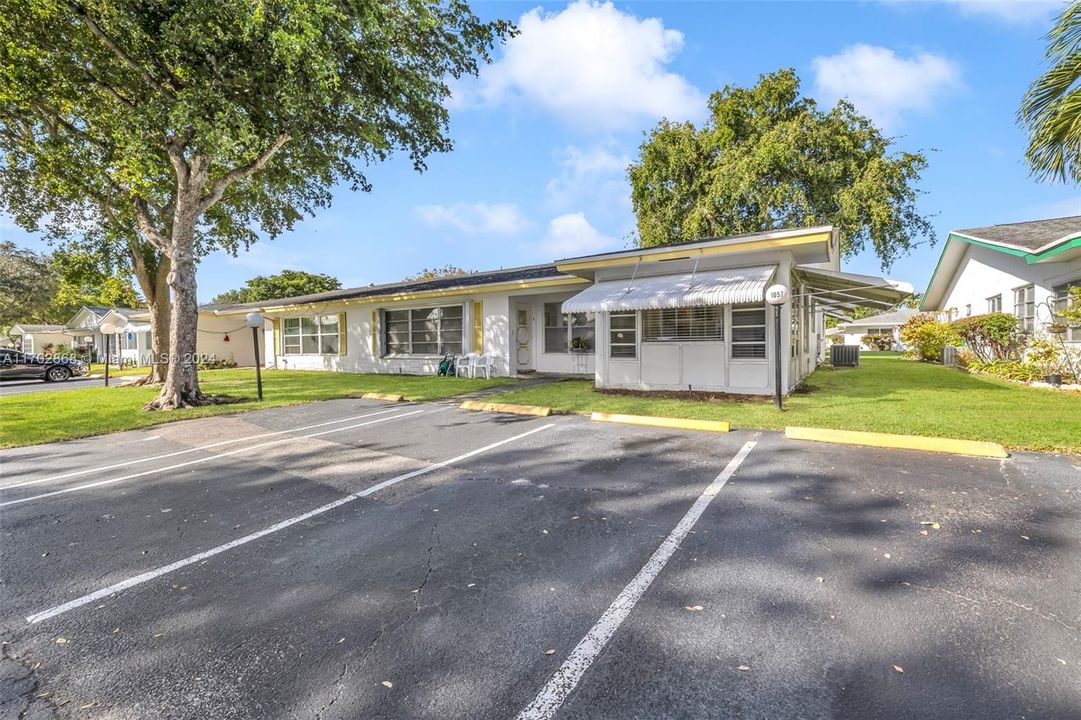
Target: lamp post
(255, 321)
(107, 329)
(777, 295)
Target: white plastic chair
(466, 365)
(485, 363)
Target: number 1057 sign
(777, 294)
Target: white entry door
(523, 335)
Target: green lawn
(885, 394)
(34, 418)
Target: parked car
(15, 365)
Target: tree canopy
(436, 272)
(1051, 109)
(197, 124)
(287, 283)
(50, 288)
(769, 158)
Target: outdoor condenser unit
(845, 355)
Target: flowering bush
(926, 336)
(995, 336)
(877, 342)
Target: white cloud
(571, 235)
(882, 84)
(478, 218)
(1010, 11)
(595, 66)
(595, 172)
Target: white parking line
(291, 438)
(87, 471)
(139, 579)
(555, 692)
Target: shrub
(926, 336)
(995, 336)
(877, 342)
(1017, 370)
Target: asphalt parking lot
(351, 559)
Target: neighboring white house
(1022, 268)
(885, 324)
(689, 316)
(35, 338)
(132, 346)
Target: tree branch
(146, 224)
(119, 52)
(218, 188)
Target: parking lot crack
(998, 601)
(433, 541)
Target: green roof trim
(1030, 258)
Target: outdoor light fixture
(777, 295)
(108, 329)
(255, 321)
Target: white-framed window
(879, 331)
(424, 331)
(1062, 301)
(623, 335)
(704, 322)
(994, 303)
(315, 335)
(968, 310)
(1024, 306)
(568, 332)
(28, 344)
(748, 333)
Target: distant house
(34, 338)
(886, 324)
(1024, 268)
(131, 346)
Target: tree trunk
(152, 271)
(181, 386)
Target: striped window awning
(705, 287)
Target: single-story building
(34, 339)
(1026, 268)
(886, 324)
(133, 346)
(689, 316)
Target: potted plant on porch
(1047, 355)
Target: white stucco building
(1022, 268)
(886, 324)
(690, 316)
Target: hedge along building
(690, 316)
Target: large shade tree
(179, 126)
(1051, 109)
(769, 158)
(286, 284)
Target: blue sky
(543, 137)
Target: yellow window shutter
(343, 335)
(278, 350)
(375, 333)
(478, 326)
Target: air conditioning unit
(949, 355)
(845, 355)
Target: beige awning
(706, 287)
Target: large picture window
(1024, 307)
(748, 333)
(424, 331)
(683, 324)
(316, 335)
(568, 332)
(622, 334)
